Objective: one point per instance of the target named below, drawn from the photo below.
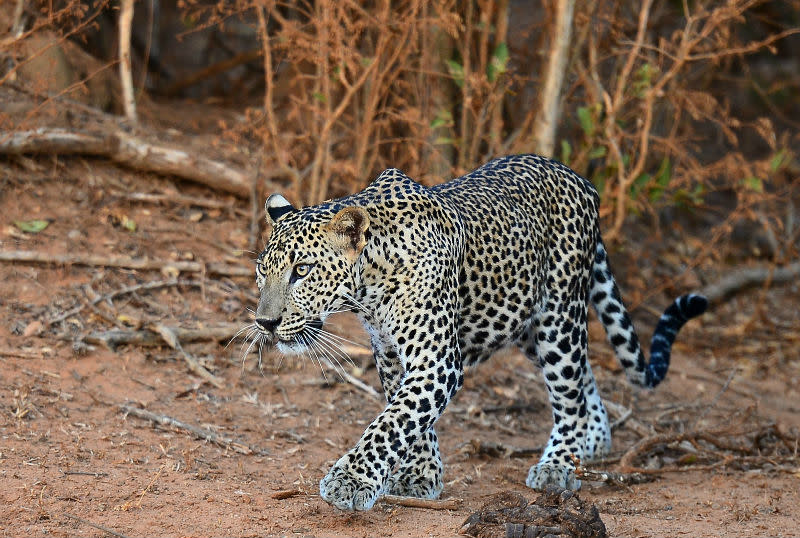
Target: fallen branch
(220, 269)
(131, 151)
(113, 338)
(431, 504)
(201, 433)
(743, 279)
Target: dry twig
(612, 478)
(720, 438)
(476, 447)
(286, 494)
(172, 341)
(95, 525)
(28, 256)
(201, 433)
(176, 198)
(430, 504)
(124, 291)
(623, 415)
(144, 337)
(20, 353)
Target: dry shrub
(657, 109)
(648, 115)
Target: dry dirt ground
(74, 463)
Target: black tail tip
(692, 305)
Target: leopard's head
(306, 271)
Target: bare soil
(72, 462)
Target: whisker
(358, 304)
(341, 338)
(332, 360)
(251, 334)
(310, 348)
(260, 353)
(324, 336)
(249, 348)
(238, 333)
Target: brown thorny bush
(678, 112)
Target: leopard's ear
(277, 206)
(348, 229)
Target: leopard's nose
(267, 324)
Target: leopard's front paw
(548, 473)
(412, 485)
(347, 488)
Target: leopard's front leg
(428, 383)
(420, 473)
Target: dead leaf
(34, 328)
(170, 271)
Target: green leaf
(32, 226)
(444, 118)
(778, 160)
(639, 183)
(597, 152)
(128, 224)
(566, 152)
(599, 182)
(664, 174)
(643, 79)
(586, 120)
(754, 184)
(697, 194)
(499, 62)
(456, 71)
(320, 97)
(443, 140)
(663, 177)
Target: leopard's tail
(606, 300)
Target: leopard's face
(304, 274)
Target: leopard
(442, 277)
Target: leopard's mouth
(300, 341)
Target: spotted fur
(442, 277)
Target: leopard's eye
(300, 270)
